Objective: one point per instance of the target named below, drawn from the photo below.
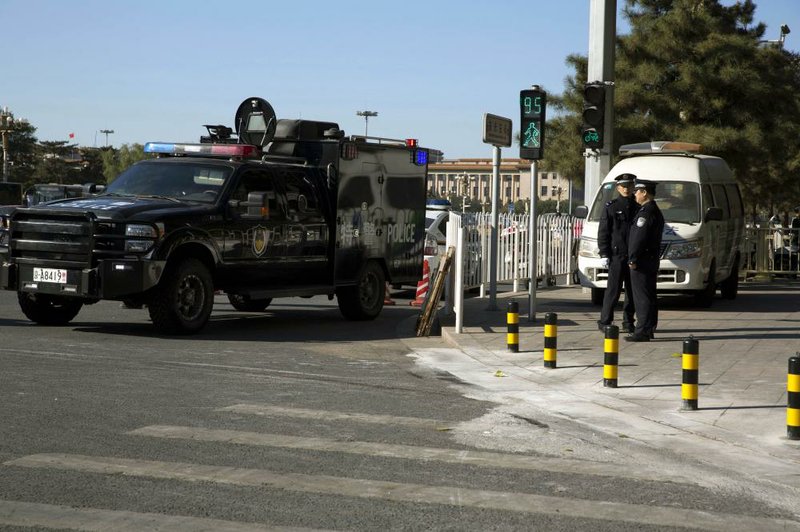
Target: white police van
(704, 226)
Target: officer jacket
(644, 241)
(615, 223)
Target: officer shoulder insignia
(641, 221)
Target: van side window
(708, 198)
(721, 200)
(735, 199)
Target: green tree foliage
(55, 163)
(117, 160)
(697, 71)
(21, 152)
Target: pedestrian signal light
(594, 105)
(533, 107)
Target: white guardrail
(470, 235)
(557, 237)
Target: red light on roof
(411, 143)
(234, 150)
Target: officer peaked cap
(649, 186)
(625, 179)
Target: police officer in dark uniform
(644, 250)
(612, 239)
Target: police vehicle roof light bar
(227, 150)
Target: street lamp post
(107, 132)
(366, 115)
(6, 127)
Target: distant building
(472, 178)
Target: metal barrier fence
(556, 245)
(771, 251)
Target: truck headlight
(141, 231)
(145, 237)
(684, 250)
(588, 248)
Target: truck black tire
(364, 301)
(704, 298)
(729, 288)
(45, 309)
(246, 304)
(182, 301)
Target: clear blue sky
(158, 70)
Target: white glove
(604, 262)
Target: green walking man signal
(533, 107)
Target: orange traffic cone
(387, 296)
(423, 285)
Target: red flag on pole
(72, 135)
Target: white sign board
(496, 130)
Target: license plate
(49, 275)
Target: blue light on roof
(159, 147)
(421, 157)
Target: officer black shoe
(638, 337)
(602, 326)
(628, 327)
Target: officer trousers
(643, 283)
(618, 273)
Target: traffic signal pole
(602, 36)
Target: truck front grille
(58, 238)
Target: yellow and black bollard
(793, 393)
(690, 361)
(512, 322)
(550, 339)
(611, 356)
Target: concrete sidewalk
(745, 345)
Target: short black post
(512, 322)
(550, 339)
(793, 401)
(611, 356)
(690, 361)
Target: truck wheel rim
(191, 297)
(368, 290)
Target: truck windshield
(679, 201)
(183, 181)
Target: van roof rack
(659, 146)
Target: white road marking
(408, 452)
(329, 415)
(406, 492)
(29, 514)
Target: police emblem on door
(260, 238)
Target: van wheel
(182, 302)
(730, 286)
(597, 295)
(246, 304)
(45, 309)
(364, 301)
(705, 297)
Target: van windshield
(679, 201)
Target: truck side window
(300, 195)
(257, 180)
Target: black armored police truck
(280, 208)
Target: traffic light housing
(594, 108)
(533, 107)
